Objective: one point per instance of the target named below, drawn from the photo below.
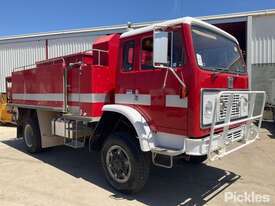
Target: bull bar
(250, 132)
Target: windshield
(216, 52)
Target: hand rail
(20, 68)
(52, 60)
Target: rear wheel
(31, 135)
(125, 166)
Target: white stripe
(73, 97)
(38, 97)
(88, 98)
(74, 109)
(145, 99)
(139, 99)
(176, 101)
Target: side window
(128, 56)
(175, 54)
(147, 53)
(178, 52)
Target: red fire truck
(176, 89)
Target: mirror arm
(165, 79)
(177, 77)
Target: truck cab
(171, 73)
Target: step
(74, 143)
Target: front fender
(144, 132)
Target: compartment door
(74, 86)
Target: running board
(157, 161)
(164, 151)
(158, 152)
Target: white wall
(263, 39)
(69, 45)
(18, 54)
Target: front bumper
(198, 147)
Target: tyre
(125, 166)
(31, 135)
(195, 159)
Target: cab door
(153, 91)
(166, 109)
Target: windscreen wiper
(233, 62)
(218, 69)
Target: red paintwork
(47, 78)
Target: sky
(31, 16)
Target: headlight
(244, 105)
(208, 102)
(208, 109)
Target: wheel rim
(28, 135)
(118, 164)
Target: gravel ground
(63, 176)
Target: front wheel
(125, 166)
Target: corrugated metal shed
(69, 45)
(16, 54)
(263, 39)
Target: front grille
(235, 110)
(234, 135)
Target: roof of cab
(183, 20)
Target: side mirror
(160, 51)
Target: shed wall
(18, 54)
(262, 52)
(69, 45)
(263, 39)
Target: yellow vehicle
(5, 116)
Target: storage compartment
(69, 128)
